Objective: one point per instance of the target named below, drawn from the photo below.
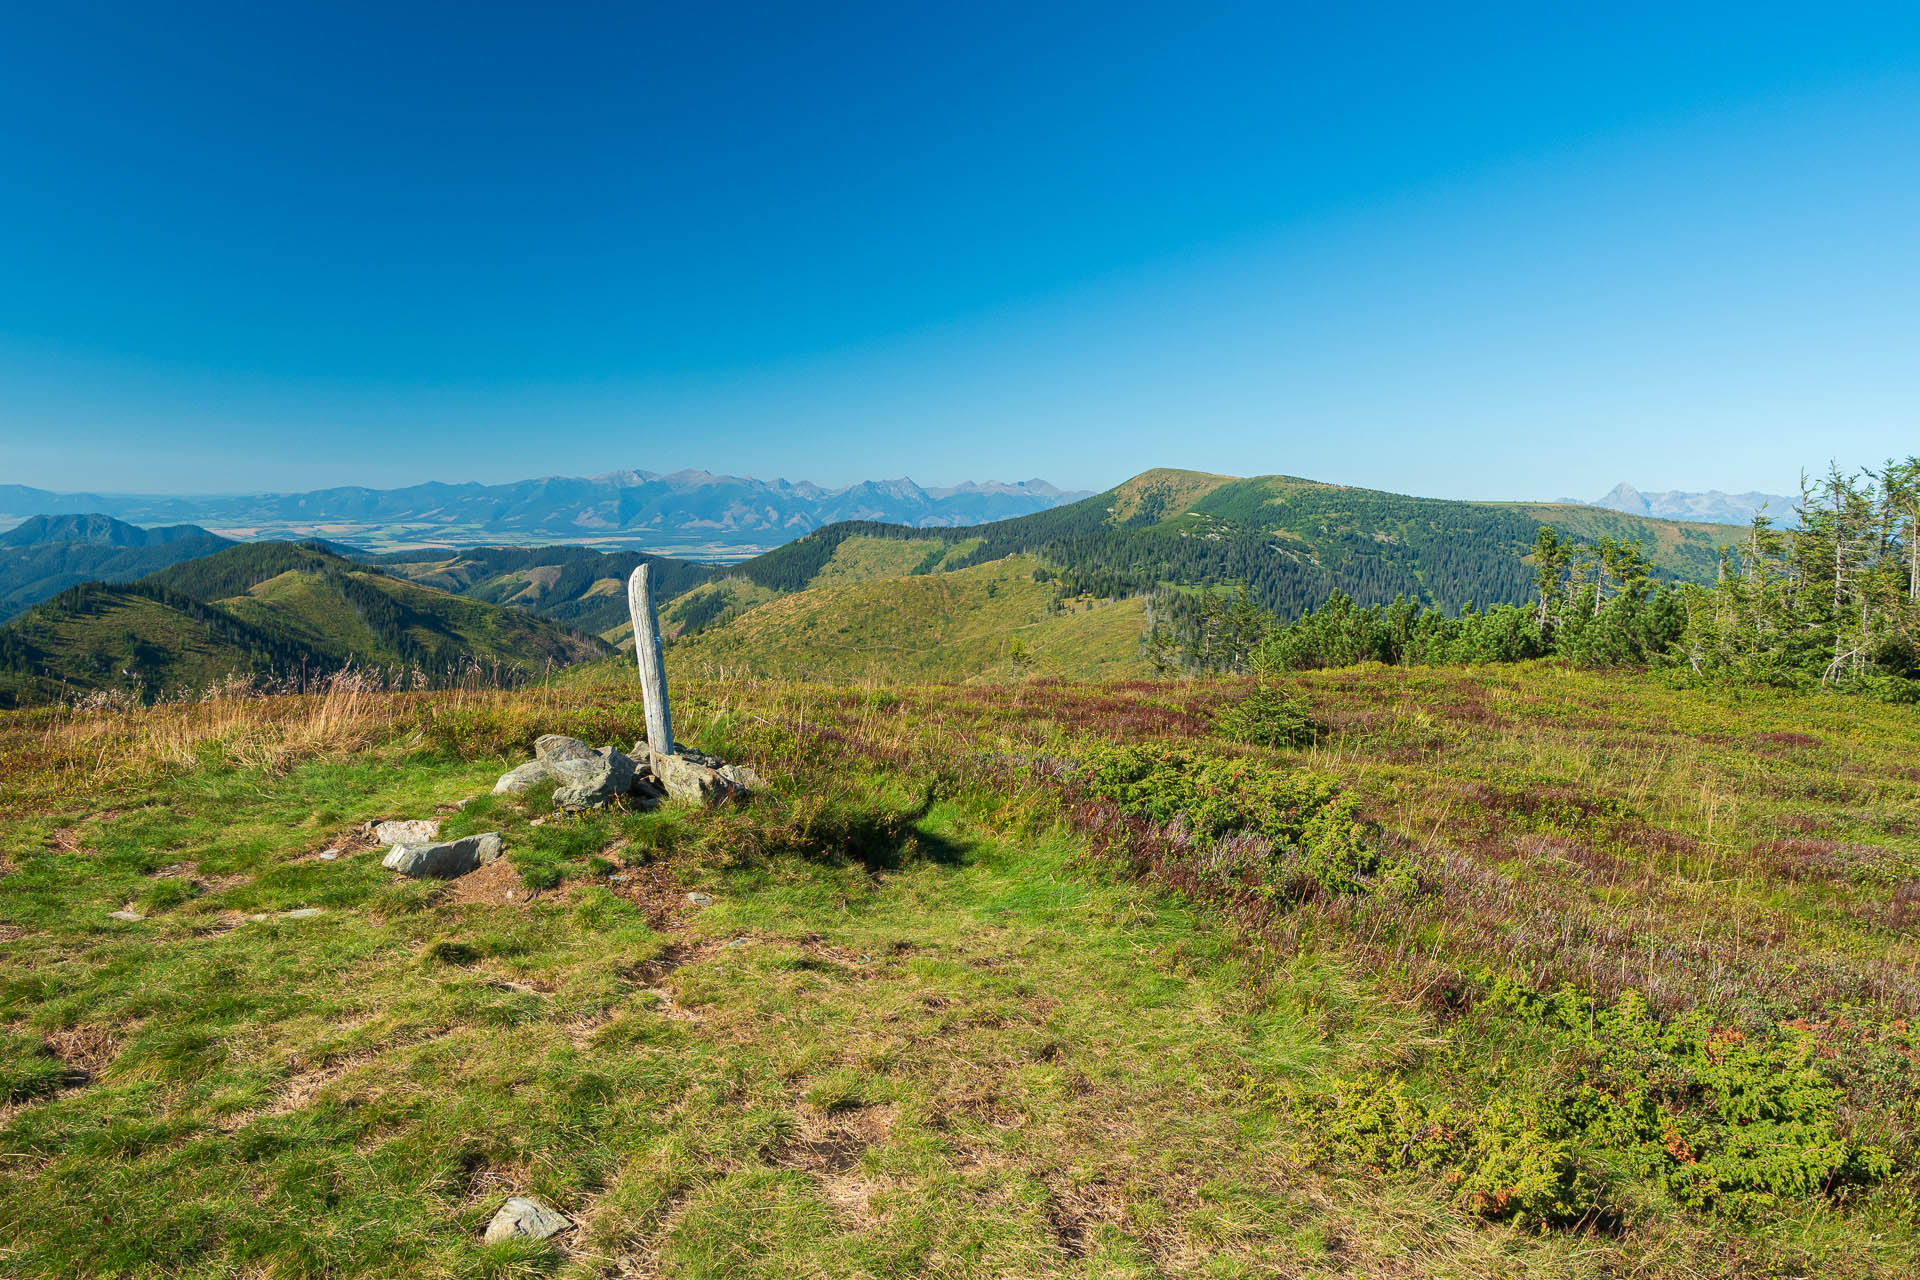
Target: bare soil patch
(497, 884)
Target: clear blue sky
(1471, 251)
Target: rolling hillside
(575, 586)
(1294, 541)
(861, 599)
(267, 609)
(983, 622)
(43, 556)
(1061, 592)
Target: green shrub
(1720, 1119)
(1503, 1160)
(1213, 794)
(1303, 813)
(1268, 717)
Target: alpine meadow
(946, 642)
(1080, 915)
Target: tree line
(1835, 602)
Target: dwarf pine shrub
(1718, 1118)
(1268, 717)
(1308, 821)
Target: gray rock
(597, 778)
(687, 776)
(521, 1218)
(131, 917)
(550, 748)
(519, 781)
(699, 899)
(445, 859)
(412, 831)
(743, 776)
(301, 913)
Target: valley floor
(940, 1010)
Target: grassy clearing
(957, 625)
(960, 1007)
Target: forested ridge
(229, 614)
(1292, 543)
(1832, 602)
(502, 575)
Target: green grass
(952, 1011)
(957, 625)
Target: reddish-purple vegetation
(1682, 866)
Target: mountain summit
(1711, 507)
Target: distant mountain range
(691, 511)
(1711, 507)
(1072, 580)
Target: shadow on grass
(842, 830)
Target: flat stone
(523, 1218)
(521, 780)
(328, 855)
(131, 917)
(301, 913)
(446, 859)
(407, 831)
(699, 899)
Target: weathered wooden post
(653, 668)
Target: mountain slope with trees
(269, 610)
(1293, 543)
(43, 556)
(577, 587)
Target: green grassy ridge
(135, 637)
(266, 610)
(961, 624)
(1295, 541)
(39, 571)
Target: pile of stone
(589, 778)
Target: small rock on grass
(699, 899)
(131, 917)
(445, 860)
(407, 831)
(686, 775)
(523, 1218)
(521, 780)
